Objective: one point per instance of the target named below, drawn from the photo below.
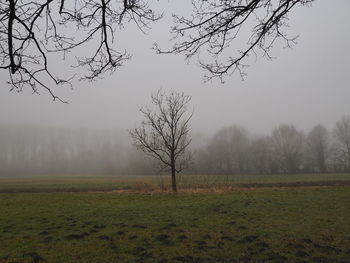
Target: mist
(28, 150)
(304, 86)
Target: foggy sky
(304, 86)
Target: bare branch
(215, 27)
(30, 31)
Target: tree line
(233, 150)
(37, 150)
(31, 150)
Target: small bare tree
(164, 134)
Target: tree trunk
(173, 180)
(173, 175)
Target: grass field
(151, 183)
(289, 224)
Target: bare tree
(342, 134)
(318, 147)
(229, 150)
(31, 30)
(215, 25)
(164, 134)
(288, 144)
(219, 152)
(262, 155)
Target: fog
(303, 86)
(39, 150)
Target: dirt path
(230, 188)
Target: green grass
(69, 183)
(261, 225)
(149, 183)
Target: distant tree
(318, 146)
(31, 30)
(219, 152)
(164, 133)
(140, 164)
(262, 158)
(239, 143)
(288, 146)
(342, 134)
(202, 163)
(229, 149)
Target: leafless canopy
(164, 133)
(30, 30)
(216, 25)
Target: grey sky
(306, 85)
